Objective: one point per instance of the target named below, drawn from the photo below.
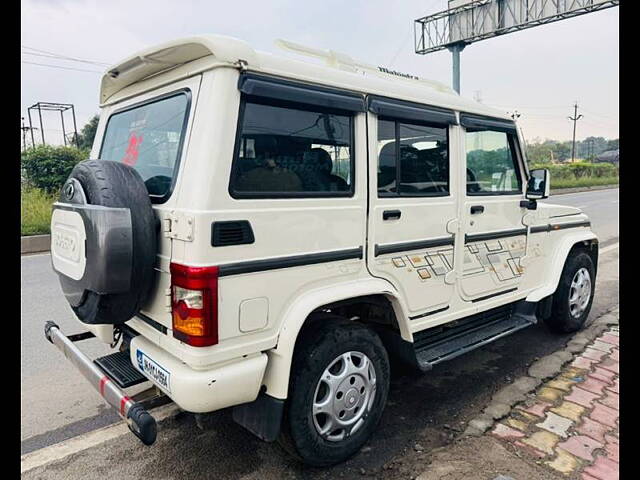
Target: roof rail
(343, 61)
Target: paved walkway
(570, 425)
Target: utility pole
(516, 115)
(24, 135)
(575, 119)
(26, 129)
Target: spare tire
(114, 246)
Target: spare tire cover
(110, 184)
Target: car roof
(170, 61)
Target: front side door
(412, 203)
(495, 237)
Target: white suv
(263, 232)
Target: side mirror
(539, 185)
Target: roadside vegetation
(580, 174)
(552, 151)
(35, 211)
(44, 170)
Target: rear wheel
(574, 296)
(339, 386)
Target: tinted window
(491, 166)
(386, 156)
(415, 157)
(149, 138)
(291, 151)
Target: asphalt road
(602, 208)
(58, 404)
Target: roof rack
(343, 61)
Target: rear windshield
(149, 138)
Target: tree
(562, 151)
(88, 133)
(47, 167)
(539, 153)
(613, 144)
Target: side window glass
(491, 165)
(386, 157)
(413, 160)
(291, 151)
(424, 160)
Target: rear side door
(495, 237)
(150, 132)
(412, 202)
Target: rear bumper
(200, 391)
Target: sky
(540, 72)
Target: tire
(567, 315)
(327, 339)
(114, 184)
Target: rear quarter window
(149, 137)
(292, 151)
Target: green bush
(35, 211)
(47, 167)
(591, 173)
(584, 182)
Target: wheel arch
(299, 313)
(587, 241)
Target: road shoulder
(559, 421)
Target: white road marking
(77, 444)
(31, 255)
(609, 248)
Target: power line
(64, 57)
(55, 57)
(407, 38)
(60, 66)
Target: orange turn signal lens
(189, 325)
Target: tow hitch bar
(140, 422)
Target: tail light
(194, 304)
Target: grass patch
(35, 211)
(583, 182)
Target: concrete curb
(546, 367)
(35, 244)
(562, 191)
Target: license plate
(158, 374)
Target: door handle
(477, 209)
(391, 214)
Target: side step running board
(140, 422)
(448, 341)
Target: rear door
(150, 132)
(412, 202)
(494, 234)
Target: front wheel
(574, 296)
(339, 385)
